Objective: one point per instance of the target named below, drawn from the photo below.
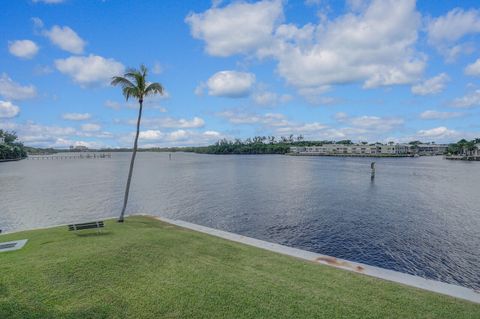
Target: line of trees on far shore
(463, 146)
(256, 145)
(273, 145)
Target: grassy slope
(148, 269)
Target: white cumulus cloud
(8, 110)
(181, 137)
(357, 128)
(169, 122)
(11, 90)
(369, 122)
(25, 49)
(348, 127)
(151, 135)
(240, 27)
(446, 31)
(66, 39)
(76, 116)
(467, 101)
(315, 95)
(436, 115)
(268, 98)
(473, 69)
(113, 105)
(440, 132)
(267, 119)
(89, 70)
(374, 45)
(231, 84)
(37, 135)
(302, 128)
(90, 127)
(431, 86)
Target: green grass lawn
(148, 269)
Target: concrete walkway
(390, 275)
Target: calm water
(420, 215)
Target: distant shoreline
(12, 159)
(463, 158)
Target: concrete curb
(377, 272)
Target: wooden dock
(70, 156)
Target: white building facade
(431, 149)
(78, 148)
(370, 149)
(358, 149)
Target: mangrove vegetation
(10, 147)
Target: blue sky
(361, 70)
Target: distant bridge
(70, 156)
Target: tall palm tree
(134, 84)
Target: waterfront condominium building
(370, 149)
(339, 149)
(78, 148)
(431, 149)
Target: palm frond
(131, 92)
(141, 81)
(137, 77)
(134, 83)
(122, 81)
(154, 88)
(131, 74)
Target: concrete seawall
(377, 272)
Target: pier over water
(69, 156)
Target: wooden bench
(98, 225)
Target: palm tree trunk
(132, 161)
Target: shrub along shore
(10, 148)
(145, 268)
